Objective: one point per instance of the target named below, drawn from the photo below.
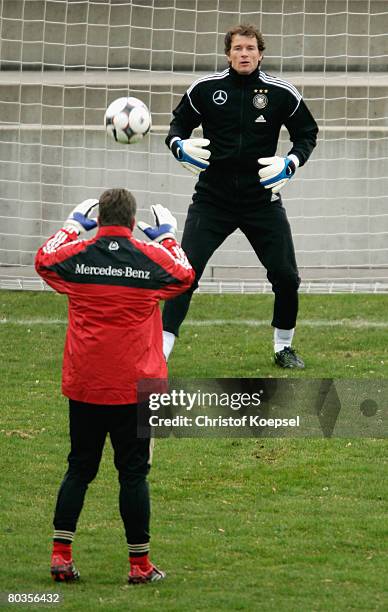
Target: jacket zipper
(241, 126)
(241, 119)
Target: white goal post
(62, 63)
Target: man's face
(244, 56)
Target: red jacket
(114, 284)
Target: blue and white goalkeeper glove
(277, 171)
(78, 220)
(165, 224)
(191, 154)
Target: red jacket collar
(113, 230)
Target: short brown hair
(244, 29)
(117, 207)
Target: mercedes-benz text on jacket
(113, 283)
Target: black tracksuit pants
(89, 426)
(226, 199)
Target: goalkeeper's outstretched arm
(65, 241)
(303, 131)
(185, 119)
(192, 153)
(171, 256)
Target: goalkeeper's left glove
(277, 171)
(165, 224)
(78, 220)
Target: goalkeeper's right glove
(191, 154)
(165, 224)
(78, 220)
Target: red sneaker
(63, 571)
(137, 576)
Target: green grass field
(238, 524)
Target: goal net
(63, 62)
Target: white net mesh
(63, 62)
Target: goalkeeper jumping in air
(114, 341)
(240, 176)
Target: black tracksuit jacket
(242, 116)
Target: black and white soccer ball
(127, 120)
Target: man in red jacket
(114, 342)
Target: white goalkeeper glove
(191, 154)
(277, 171)
(78, 220)
(165, 224)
